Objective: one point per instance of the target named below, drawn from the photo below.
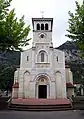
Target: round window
(42, 35)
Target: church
(43, 73)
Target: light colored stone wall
(52, 58)
(69, 76)
(38, 39)
(70, 92)
(52, 90)
(61, 59)
(35, 68)
(23, 61)
(15, 93)
(29, 91)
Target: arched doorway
(42, 87)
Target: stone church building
(42, 73)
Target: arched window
(42, 57)
(38, 26)
(42, 26)
(57, 58)
(46, 26)
(27, 58)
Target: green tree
(9, 62)
(13, 31)
(13, 36)
(76, 26)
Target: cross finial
(42, 12)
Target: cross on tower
(42, 12)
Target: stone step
(51, 109)
(40, 107)
(19, 105)
(40, 104)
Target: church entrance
(42, 91)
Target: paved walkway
(42, 115)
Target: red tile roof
(16, 85)
(69, 85)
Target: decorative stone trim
(42, 65)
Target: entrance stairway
(40, 104)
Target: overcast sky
(57, 9)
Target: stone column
(21, 85)
(59, 85)
(51, 57)
(33, 57)
(32, 90)
(52, 90)
(21, 90)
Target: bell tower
(42, 30)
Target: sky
(56, 9)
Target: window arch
(42, 26)
(38, 26)
(46, 26)
(42, 56)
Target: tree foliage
(13, 31)
(76, 25)
(9, 62)
(13, 36)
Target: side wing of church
(42, 72)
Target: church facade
(42, 72)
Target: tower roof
(42, 19)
